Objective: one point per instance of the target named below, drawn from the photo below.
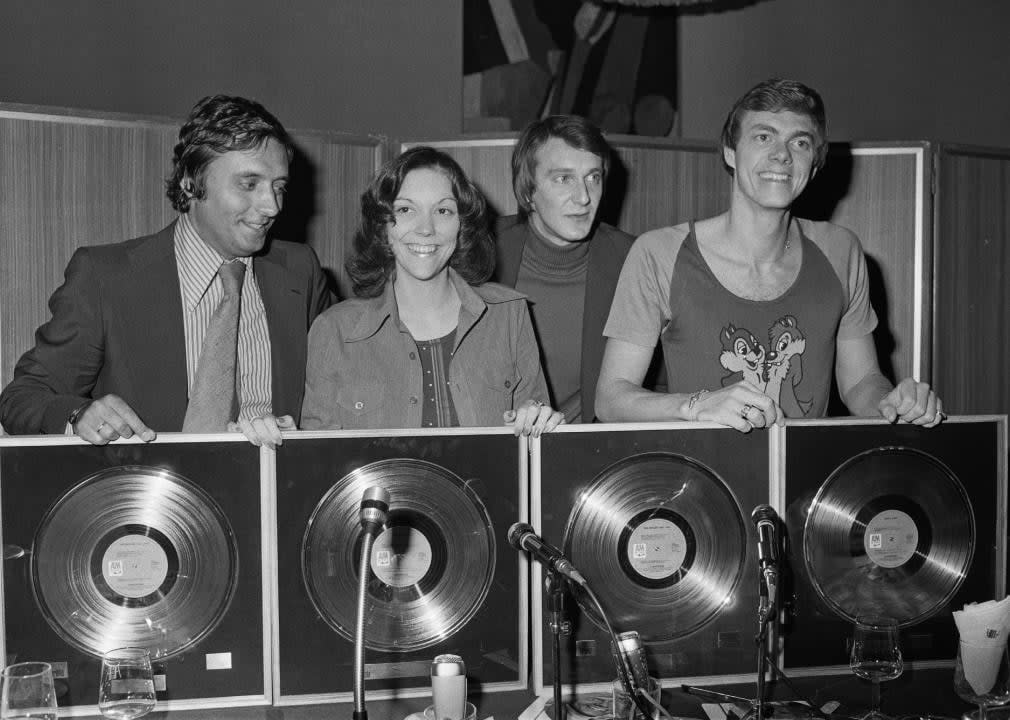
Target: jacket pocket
(361, 405)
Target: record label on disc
(890, 538)
(134, 566)
(657, 549)
(401, 556)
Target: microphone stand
(554, 587)
(364, 567)
(768, 579)
(374, 507)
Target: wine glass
(126, 688)
(982, 676)
(876, 656)
(28, 691)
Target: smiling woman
(427, 342)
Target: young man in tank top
(755, 308)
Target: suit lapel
(285, 305)
(601, 281)
(154, 337)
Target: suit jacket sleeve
(60, 372)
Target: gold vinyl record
(134, 556)
(890, 532)
(662, 541)
(432, 564)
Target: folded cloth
(983, 628)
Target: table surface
(915, 693)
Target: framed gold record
(432, 564)
(668, 535)
(156, 545)
(898, 520)
(653, 517)
(437, 581)
(134, 556)
(891, 532)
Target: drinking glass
(126, 689)
(876, 656)
(982, 677)
(28, 691)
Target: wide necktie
(212, 401)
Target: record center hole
(401, 556)
(134, 566)
(891, 538)
(657, 549)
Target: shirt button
(413, 400)
(508, 383)
(358, 405)
(413, 356)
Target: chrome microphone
(448, 687)
(374, 509)
(767, 522)
(522, 536)
(629, 645)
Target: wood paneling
(879, 191)
(68, 181)
(972, 250)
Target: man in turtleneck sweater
(556, 253)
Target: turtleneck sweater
(554, 279)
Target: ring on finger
(745, 410)
(100, 426)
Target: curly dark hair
(573, 129)
(372, 264)
(776, 95)
(216, 125)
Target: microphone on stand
(373, 515)
(448, 687)
(767, 522)
(522, 536)
(374, 509)
(629, 646)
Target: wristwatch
(76, 413)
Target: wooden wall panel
(68, 181)
(972, 311)
(878, 191)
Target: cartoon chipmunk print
(743, 356)
(783, 366)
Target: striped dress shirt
(201, 292)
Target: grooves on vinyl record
(134, 556)
(432, 565)
(890, 532)
(662, 539)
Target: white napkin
(983, 628)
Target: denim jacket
(364, 371)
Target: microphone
(374, 509)
(522, 536)
(629, 644)
(767, 522)
(448, 687)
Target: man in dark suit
(122, 352)
(557, 253)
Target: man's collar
(198, 262)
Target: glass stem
(981, 711)
(875, 697)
